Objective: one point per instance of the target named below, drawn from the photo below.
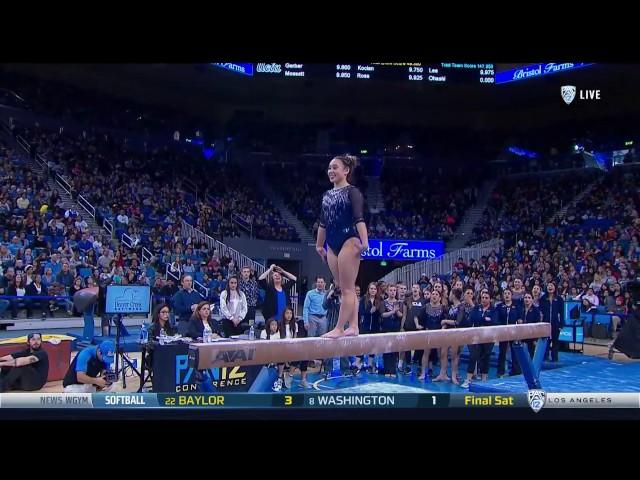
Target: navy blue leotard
(342, 209)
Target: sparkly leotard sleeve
(342, 209)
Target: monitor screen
(128, 299)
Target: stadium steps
(66, 198)
(374, 195)
(305, 236)
(471, 217)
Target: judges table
(170, 372)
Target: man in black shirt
(27, 369)
(39, 243)
(169, 289)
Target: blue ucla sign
(409, 250)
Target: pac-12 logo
(568, 93)
(537, 399)
(220, 378)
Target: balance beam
(262, 352)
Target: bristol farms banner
(410, 250)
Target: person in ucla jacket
(508, 314)
(530, 314)
(552, 309)
(483, 315)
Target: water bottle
(144, 334)
(252, 333)
(206, 335)
(163, 336)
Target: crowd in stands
(132, 185)
(129, 188)
(419, 203)
(86, 107)
(519, 205)
(422, 202)
(301, 187)
(44, 241)
(44, 244)
(592, 251)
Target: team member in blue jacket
(508, 314)
(530, 314)
(552, 309)
(483, 315)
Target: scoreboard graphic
(535, 400)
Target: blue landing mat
(565, 359)
(371, 383)
(594, 376)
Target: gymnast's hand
(363, 247)
(322, 252)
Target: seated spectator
(36, 289)
(6, 258)
(54, 264)
(75, 288)
(17, 289)
(169, 289)
(81, 225)
(26, 369)
(66, 276)
(587, 306)
(105, 258)
(122, 220)
(71, 213)
(84, 244)
(188, 267)
(23, 202)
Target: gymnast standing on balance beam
(342, 227)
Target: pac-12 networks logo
(537, 399)
(568, 93)
(221, 378)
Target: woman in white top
(233, 306)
